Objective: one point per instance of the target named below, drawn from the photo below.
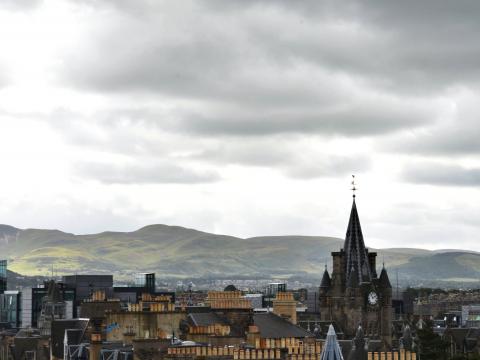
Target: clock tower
(354, 295)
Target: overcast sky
(243, 117)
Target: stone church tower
(354, 295)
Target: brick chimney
(284, 305)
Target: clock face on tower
(372, 298)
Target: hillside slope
(173, 251)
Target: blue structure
(331, 349)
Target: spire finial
(354, 186)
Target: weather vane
(354, 186)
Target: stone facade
(354, 295)
(284, 305)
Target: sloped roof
(23, 344)
(384, 280)
(331, 349)
(230, 287)
(326, 281)
(58, 333)
(206, 319)
(272, 326)
(356, 258)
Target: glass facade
(11, 308)
(146, 280)
(273, 288)
(37, 300)
(271, 293)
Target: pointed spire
(53, 293)
(352, 280)
(326, 281)
(359, 335)
(331, 349)
(359, 348)
(355, 252)
(406, 340)
(384, 280)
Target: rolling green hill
(173, 251)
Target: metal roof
(331, 349)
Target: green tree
(466, 357)
(430, 345)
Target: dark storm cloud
(165, 173)
(440, 174)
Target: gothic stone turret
(354, 295)
(359, 350)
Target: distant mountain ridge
(174, 251)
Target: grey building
(11, 308)
(32, 302)
(85, 285)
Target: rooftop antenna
(354, 186)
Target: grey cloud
(270, 153)
(144, 174)
(410, 46)
(248, 74)
(329, 166)
(4, 78)
(79, 215)
(455, 142)
(3, 81)
(19, 5)
(455, 136)
(130, 131)
(354, 119)
(291, 159)
(439, 174)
